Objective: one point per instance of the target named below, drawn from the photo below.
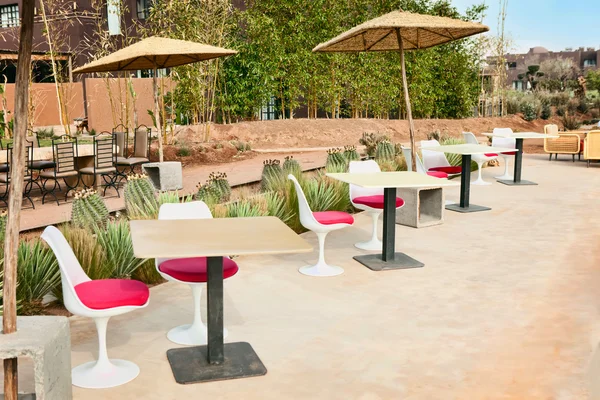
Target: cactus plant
(220, 183)
(273, 178)
(140, 198)
(370, 141)
(385, 151)
(291, 166)
(350, 153)
(89, 210)
(335, 161)
(208, 193)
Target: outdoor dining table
(214, 239)
(45, 153)
(466, 151)
(519, 137)
(389, 182)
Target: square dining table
(389, 182)
(214, 239)
(519, 137)
(466, 151)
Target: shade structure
(400, 31)
(153, 53)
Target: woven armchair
(567, 143)
(591, 149)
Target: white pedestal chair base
(479, 181)
(506, 176)
(321, 270)
(371, 245)
(188, 335)
(111, 373)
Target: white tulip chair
(480, 159)
(369, 200)
(191, 272)
(99, 300)
(321, 223)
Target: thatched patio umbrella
(154, 53)
(400, 31)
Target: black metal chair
(27, 177)
(105, 160)
(35, 142)
(64, 153)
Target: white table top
(214, 237)
(403, 179)
(466, 149)
(522, 135)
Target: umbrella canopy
(155, 52)
(418, 31)
(400, 31)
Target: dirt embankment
(339, 132)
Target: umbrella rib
(378, 40)
(451, 35)
(437, 33)
(165, 62)
(127, 64)
(364, 40)
(406, 40)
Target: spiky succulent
(272, 178)
(350, 153)
(386, 151)
(89, 210)
(140, 197)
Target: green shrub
(529, 111)
(272, 178)
(561, 111)
(570, 123)
(572, 106)
(37, 275)
(45, 133)
(115, 240)
(89, 210)
(435, 135)
(546, 112)
(87, 251)
(582, 106)
(241, 146)
(559, 99)
(3, 217)
(336, 161)
(183, 151)
(140, 197)
(385, 151)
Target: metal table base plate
(513, 183)
(190, 365)
(401, 261)
(471, 208)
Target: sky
(553, 24)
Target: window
(512, 65)
(518, 85)
(589, 63)
(9, 16)
(113, 17)
(268, 111)
(143, 8)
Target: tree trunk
(411, 126)
(15, 193)
(157, 117)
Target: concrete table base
(47, 341)
(423, 207)
(165, 175)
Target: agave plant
(37, 275)
(116, 242)
(244, 208)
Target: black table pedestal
(518, 167)
(388, 259)
(465, 190)
(214, 361)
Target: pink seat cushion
(110, 293)
(448, 170)
(510, 153)
(437, 174)
(375, 201)
(491, 155)
(194, 269)
(333, 217)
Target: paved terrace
(505, 308)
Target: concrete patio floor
(506, 307)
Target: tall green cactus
(208, 193)
(220, 183)
(350, 153)
(272, 178)
(386, 151)
(291, 166)
(335, 161)
(89, 210)
(140, 197)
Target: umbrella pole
(157, 115)
(411, 125)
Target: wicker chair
(567, 143)
(591, 149)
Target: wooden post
(157, 114)
(411, 125)
(15, 196)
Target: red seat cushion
(110, 293)
(510, 153)
(375, 201)
(491, 155)
(333, 217)
(437, 174)
(194, 269)
(448, 170)
(581, 142)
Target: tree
(593, 79)
(557, 73)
